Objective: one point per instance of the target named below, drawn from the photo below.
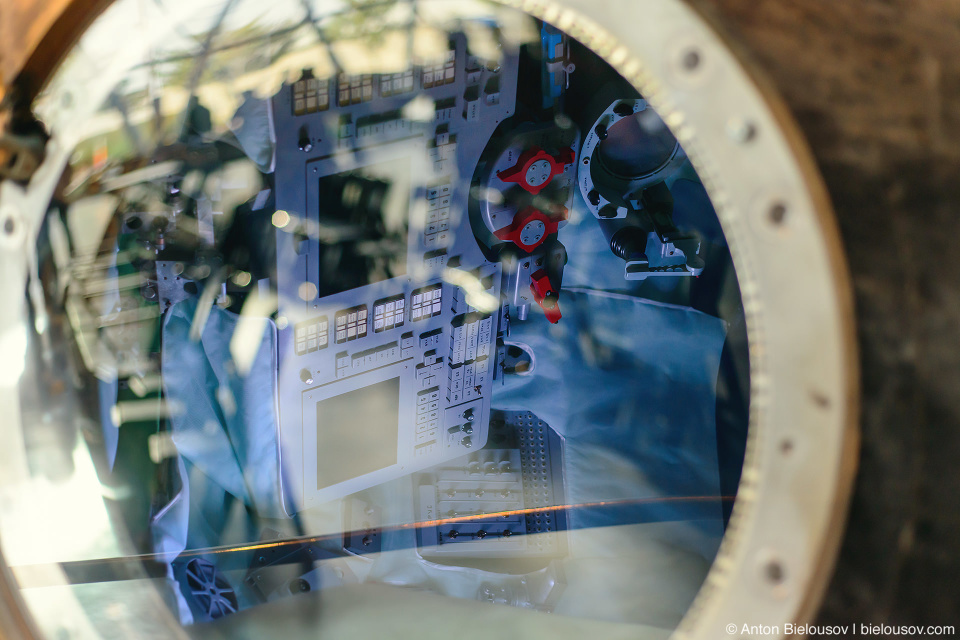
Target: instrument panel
(386, 356)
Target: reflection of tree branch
(411, 25)
(202, 60)
(322, 37)
(120, 104)
(279, 33)
(233, 45)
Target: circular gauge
(643, 130)
(376, 319)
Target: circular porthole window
(374, 319)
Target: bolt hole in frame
(698, 133)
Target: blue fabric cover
(631, 385)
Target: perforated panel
(506, 500)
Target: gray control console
(388, 309)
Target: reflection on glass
(348, 300)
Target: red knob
(530, 227)
(536, 168)
(545, 295)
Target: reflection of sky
(118, 48)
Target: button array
(459, 297)
(430, 339)
(406, 345)
(382, 130)
(444, 110)
(425, 302)
(437, 231)
(311, 335)
(351, 324)
(362, 361)
(388, 313)
(430, 370)
(397, 83)
(470, 337)
(354, 89)
(436, 259)
(466, 381)
(427, 421)
(441, 73)
(443, 156)
(485, 496)
(310, 95)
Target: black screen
(357, 432)
(363, 216)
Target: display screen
(363, 216)
(357, 432)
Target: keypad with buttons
(354, 89)
(310, 95)
(388, 313)
(396, 83)
(351, 324)
(441, 72)
(311, 335)
(425, 302)
(436, 234)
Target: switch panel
(382, 221)
(505, 500)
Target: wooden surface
(24, 23)
(875, 86)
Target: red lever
(545, 295)
(530, 227)
(536, 168)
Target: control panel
(388, 308)
(506, 501)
